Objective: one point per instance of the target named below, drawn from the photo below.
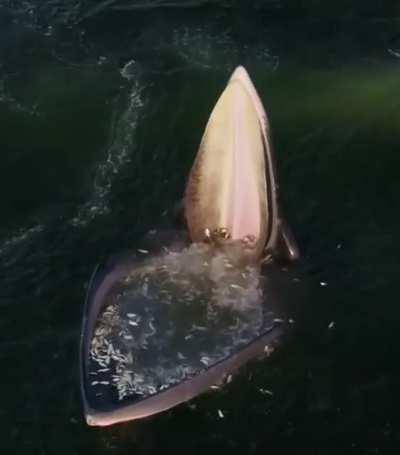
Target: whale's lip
(188, 389)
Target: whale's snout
(231, 195)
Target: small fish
(323, 283)
(268, 349)
(134, 323)
(140, 250)
(331, 325)
(220, 414)
(229, 379)
(152, 328)
(198, 327)
(266, 392)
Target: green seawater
(102, 107)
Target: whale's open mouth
(160, 327)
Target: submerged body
(160, 329)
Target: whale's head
(231, 194)
(162, 325)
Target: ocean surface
(102, 107)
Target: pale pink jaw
(244, 214)
(227, 186)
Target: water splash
(202, 47)
(21, 236)
(117, 156)
(14, 105)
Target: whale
(172, 322)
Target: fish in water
(234, 222)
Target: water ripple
(117, 156)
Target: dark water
(102, 106)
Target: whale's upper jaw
(231, 195)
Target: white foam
(118, 155)
(203, 47)
(20, 236)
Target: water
(171, 315)
(102, 109)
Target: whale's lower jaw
(230, 196)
